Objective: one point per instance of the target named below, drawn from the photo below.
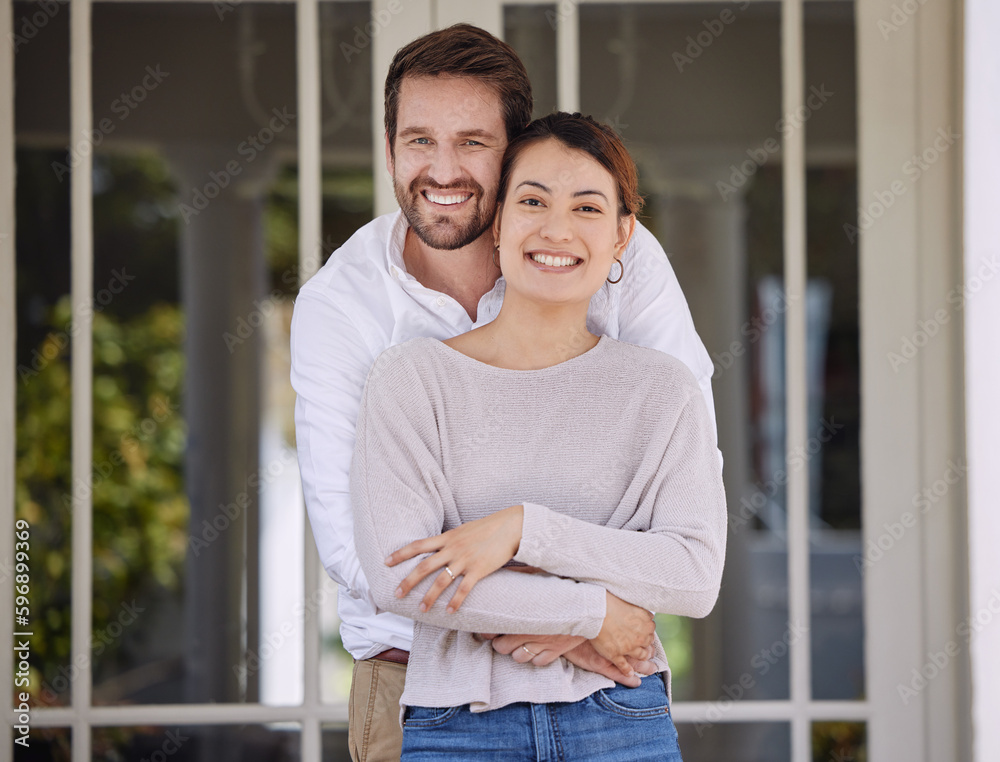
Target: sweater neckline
(591, 354)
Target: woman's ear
(626, 227)
(496, 224)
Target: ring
(523, 648)
(450, 574)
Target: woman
(532, 440)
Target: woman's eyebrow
(590, 193)
(536, 184)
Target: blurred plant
(839, 742)
(140, 509)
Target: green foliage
(140, 510)
(839, 742)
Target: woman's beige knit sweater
(613, 457)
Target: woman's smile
(553, 261)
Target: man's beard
(441, 231)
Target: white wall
(982, 363)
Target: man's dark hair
(463, 50)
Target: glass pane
(199, 743)
(695, 90)
(348, 204)
(45, 328)
(194, 106)
(278, 660)
(335, 744)
(735, 742)
(346, 108)
(531, 31)
(43, 745)
(840, 742)
(832, 353)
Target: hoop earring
(620, 274)
(496, 250)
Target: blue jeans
(613, 725)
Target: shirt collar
(394, 246)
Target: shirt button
(441, 301)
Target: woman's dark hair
(463, 50)
(585, 134)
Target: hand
(471, 551)
(575, 649)
(627, 631)
(540, 650)
(585, 656)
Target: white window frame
(906, 86)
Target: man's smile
(446, 199)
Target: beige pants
(373, 732)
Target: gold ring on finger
(450, 573)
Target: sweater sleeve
(675, 566)
(400, 494)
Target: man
(454, 98)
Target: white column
(82, 278)
(308, 72)
(982, 363)
(890, 442)
(8, 335)
(410, 20)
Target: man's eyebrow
(478, 134)
(412, 131)
(473, 133)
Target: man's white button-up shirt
(363, 301)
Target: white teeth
(547, 259)
(447, 200)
